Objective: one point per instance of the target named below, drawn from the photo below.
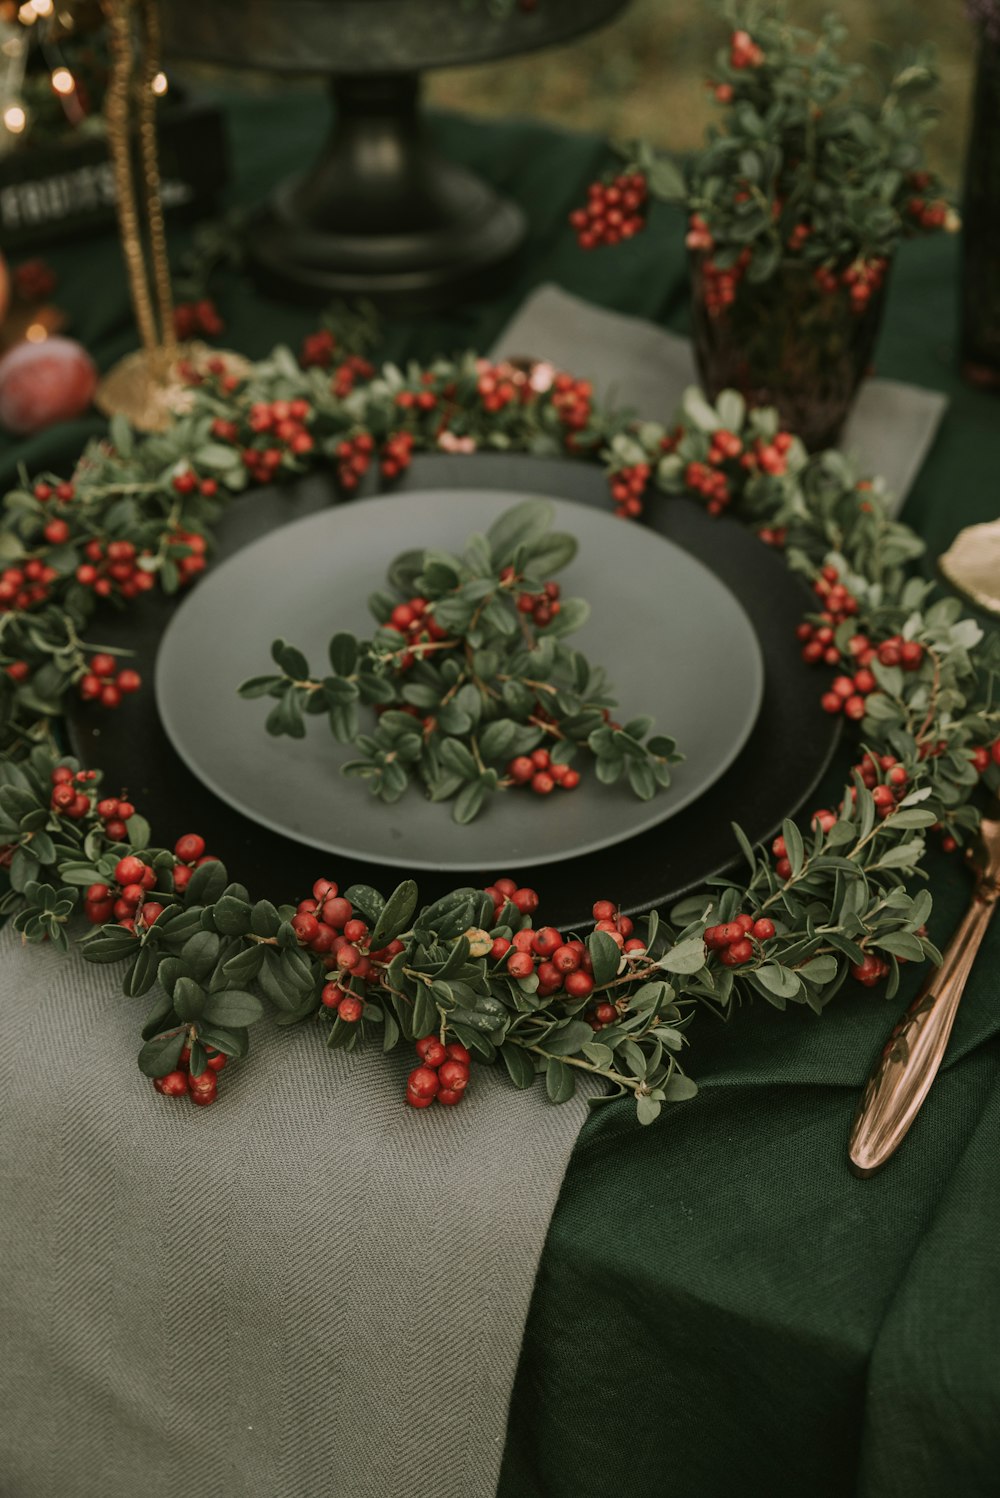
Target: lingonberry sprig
(477, 977)
(473, 689)
(817, 164)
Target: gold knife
(909, 1063)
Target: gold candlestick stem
(909, 1063)
(117, 109)
(151, 176)
(151, 386)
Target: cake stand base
(382, 214)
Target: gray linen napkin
(304, 1290)
(638, 365)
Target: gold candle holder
(150, 386)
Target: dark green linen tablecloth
(722, 1309)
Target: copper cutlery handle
(910, 1060)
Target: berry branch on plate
(469, 672)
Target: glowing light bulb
(63, 81)
(159, 84)
(15, 118)
(27, 15)
(42, 7)
(36, 332)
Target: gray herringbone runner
(305, 1291)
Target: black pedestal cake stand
(381, 213)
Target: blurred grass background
(645, 73)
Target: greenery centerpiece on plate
(796, 206)
(474, 686)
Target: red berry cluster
(782, 863)
(572, 401)
(69, 799)
(714, 478)
(187, 482)
(202, 1090)
(192, 318)
(189, 851)
(769, 457)
(562, 967)
(895, 651)
(615, 210)
(418, 628)
(318, 349)
(225, 431)
(719, 283)
(885, 777)
(114, 814)
(347, 374)
(737, 941)
(214, 369)
(628, 485)
(56, 532)
(870, 971)
(985, 755)
(847, 693)
(34, 281)
(775, 536)
(63, 492)
(710, 483)
(327, 925)
(699, 235)
(191, 547)
(354, 457)
(744, 51)
(862, 278)
(282, 426)
(541, 607)
(420, 400)
(496, 388)
(929, 215)
(127, 899)
(443, 1074)
(396, 454)
(838, 602)
(104, 683)
(798, 236)
(523, 899)
(114, 568)
(25, 586)
(537, 771)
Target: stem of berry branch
(932, 704)
(598, 1071)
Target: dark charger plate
(777, 770)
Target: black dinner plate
(777, 770)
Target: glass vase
(980, 296)
(788, 342)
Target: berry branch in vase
(474, 690)
(795, 208)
